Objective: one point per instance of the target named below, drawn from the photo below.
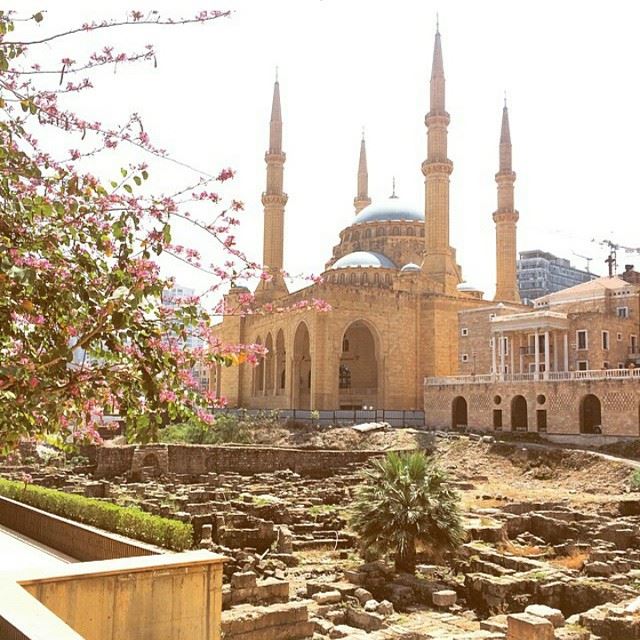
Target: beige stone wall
(177, 596)
(620, 404)
(415, 335)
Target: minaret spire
(274, 200)
(506, 218)
(362, 198)
(440, 262)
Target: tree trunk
(406, 558)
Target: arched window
(395, 231)
(353, 278)
(380, 231)
(411, 231)
(345, 345)
(365, 278)
(355, 236)
(341, 278)
(367, 233)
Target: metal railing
(491, 378)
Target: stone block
(385, 608)
(369, 621)
(523, 626)
(371, 605)
(327, 597)
(444, 598)
(244, 580)
(363, 595)
(554, 616)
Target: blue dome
(364, 259)
(410, 267)
(391, 209)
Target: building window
(605, 365)
(619, 337)
(622, 312)
(605, 340)
(620, 365)
(583, 365)
(464, 357)
(497, 419)
(633, 344)
(464, 331)
(345, 345)
(344, 377)
(503, 346)
(581, 339)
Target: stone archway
(258, 374)
(459, 412)
(302, 368)
(269, 364)
(359, 367)
(519, 417)
(590, 414)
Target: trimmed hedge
(127, 521)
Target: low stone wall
(288, 621)
(71, 538)
(201, 459)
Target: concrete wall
(72, 538)
(620, 402)
(177, 596)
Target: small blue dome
(410, 267)
(364, 259)
(391, 209)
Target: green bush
(127, 521)
(226, 428)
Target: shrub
(126, 521)
(226, 428)
(406, 498)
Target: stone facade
(567, 366)
(551, 407)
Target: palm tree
(406, 498)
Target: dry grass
(574, 560)
(524, 550)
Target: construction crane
(587, 258)
(612, 259)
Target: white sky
(570, 69)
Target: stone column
(547, 359)
(555, 350)
(566, 351)
(536, 351)
(501, 343)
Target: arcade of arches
(594, 408)
(288, 378)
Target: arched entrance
(590, 414)
(459, 416)
(302, 368)
(281, 364)
(258, 374)
(269, 363)
(357, 372)
(519, 420)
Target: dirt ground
(488, 470)
(341, 438)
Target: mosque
(393, 282)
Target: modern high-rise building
(541, 273)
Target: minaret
(506, 218)
(362, 199)
(439, 262)
(274, 200)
